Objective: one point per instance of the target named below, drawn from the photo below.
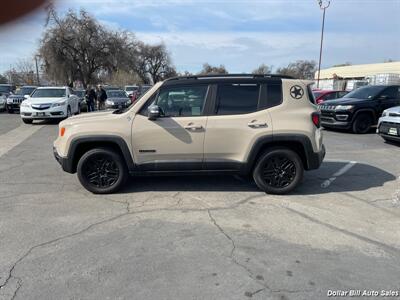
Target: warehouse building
(351, 77)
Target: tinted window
(341, 94)
(182, 101)
(57, 93)
(367, 92)
(330, 96)
(391, 92)
(233, 99)
(274, 94)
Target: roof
(359, 71)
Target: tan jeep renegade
(266, 126)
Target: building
(350, 77)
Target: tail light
(316, 119)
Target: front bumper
(49, 113)
(385, 128)
(13, 106)
(335, 119)
(63, 161)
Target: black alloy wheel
(101, 171)
(278, 171)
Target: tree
(262, 69)
(77, 47)
(154, 63)
(213, 70)
(343, 65)
(301, 69)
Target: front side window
(49, 93)
(233, 99)
(183, 101)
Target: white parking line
(342, 171)
(16, 136)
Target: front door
(175, 140)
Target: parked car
(264, 126)
(117, 99)
(323, 95)
(49, 103)
(360, 109)
(130, 89)
(389, 124)
(14, 100)
(7, 89)
(3, 101)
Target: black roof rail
(210, 76)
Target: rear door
(240, 116)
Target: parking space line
(340, 172)
(16, 136)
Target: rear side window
(234, 99)
(274, 94)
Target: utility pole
(323, 4)
(37, 71)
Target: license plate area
(40, 114)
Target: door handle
(191, 126)
(255, 124)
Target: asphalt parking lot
(197, 237)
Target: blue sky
(240, 34)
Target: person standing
(90, 98)
(101, 98)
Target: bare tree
(3, 79)
(262, 69)
(77, 47)
(302, 69)
(211, 70)
(154, 63)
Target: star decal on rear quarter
(296, 92)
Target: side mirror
(153, 112)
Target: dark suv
(359, 109)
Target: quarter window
(182, 101)
(233, 99)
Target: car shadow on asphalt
(359, 177)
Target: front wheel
(102, 171)
(278, 171)
(362, 124)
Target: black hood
(344, 101)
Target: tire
(278, 171)
(107, 169)
(27, 121)
(362, 124)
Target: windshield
(317, 94)
(116, 94)
(367, 92)
(5, 88)
(25, 91)
(80, 93)
(56, 93)
(131, 88)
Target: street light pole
(323, 5)
(37, 71)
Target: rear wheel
(27, 121)
(102, 171)
(278, 171)
(362, 124)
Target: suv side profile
(266, 126)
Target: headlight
(59, 104)
(384, 113)
(9, 100)
(25, 104)
(109, 102)
(344, 107)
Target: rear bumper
(315, 159)
(63, 161)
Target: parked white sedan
(389, 124)
(49, 103)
